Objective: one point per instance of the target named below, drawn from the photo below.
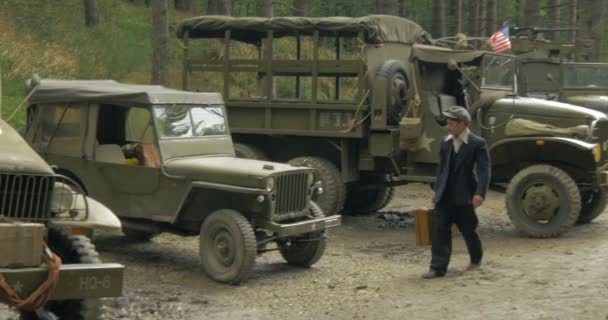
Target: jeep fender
(570, 152)
(99, 216)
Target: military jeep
(360, 99)
(163, 160)
(43, 214)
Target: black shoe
(433, 274)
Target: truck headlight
(597, 152)
(270, 184)
(311, 179)
(63, 198)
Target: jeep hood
(595, 102)
(227, 170)
(523, 106)
(16, 156)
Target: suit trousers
(465, 218)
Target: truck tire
(248, 151)
(227, 246)
(543, 201)
(306, 250)
(334, 190)
(593, 205)
(397, 90)
(72, 250)
(361, 199)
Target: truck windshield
(585, 75)
(497, 72)
(187, 121)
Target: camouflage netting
(376, 28)
(522, 127)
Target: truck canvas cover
(376, 28)
(109, 91)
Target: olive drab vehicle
(163, 160)
(360, 99)
(43, 216)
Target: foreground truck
(360, 100)
(48, 268)
(163, 160)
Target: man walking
(463, 178)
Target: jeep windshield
(588, 76)
(497, 72)
(190, 121)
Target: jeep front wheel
(227, 246)
(594, 204)
(543, 201)
(306, 250)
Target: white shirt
(458, 141)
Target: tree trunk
(265, 8)
(459, 16)
(439, 19)
(597, 19)
(300, 8)
(387, 7)
(491, 25)
(91, 13)
(160, 42)
(573, 19)
(531, 13)
(212, 7)
(224, 7)
(483, 18)
(474, 18)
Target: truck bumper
(302, 227)
(76, 281)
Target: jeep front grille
(25, 197)
(291, 193)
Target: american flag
(499, 41)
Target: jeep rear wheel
(543, 201)
(593, 205)
(72, 250)
(306, 250)
(362, 199)
(227, 246)
(332, 199)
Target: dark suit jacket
(471, 170)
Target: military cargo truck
(368, 115)
(44, 215)
(163, 160)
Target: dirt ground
(372, 270)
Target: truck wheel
(306, 250)
(72, 250)
(227, 246)
(543, 201)
(362, 199)
(332, 199)
(249, 152)
(138, 235)
(593, 205)
(396, 95)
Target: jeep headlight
(270, 184)
(311, 179)
(63, 198)
(597, 152)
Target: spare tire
(397, 90)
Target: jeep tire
(397, 90)
(305, 250)
(227, 247)
(593, 205)
(248, 151)
(362, 199)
